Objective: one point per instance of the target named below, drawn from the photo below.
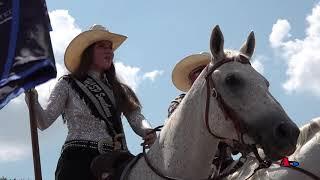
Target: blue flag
(26, 56)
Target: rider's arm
(138, 122)
(46, 115)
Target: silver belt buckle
(103, 143)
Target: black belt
(101, 146)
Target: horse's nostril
(282, 131)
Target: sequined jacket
(82, 125)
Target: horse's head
(243, 96)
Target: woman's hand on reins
(149, 139)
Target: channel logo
(286, 163)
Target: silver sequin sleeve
(81, 123)
(53, 109)
(138, 122)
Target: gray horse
(229, 101)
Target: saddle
(110, 165)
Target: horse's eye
(233, 80)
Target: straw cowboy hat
(180, 73)
(76, 47)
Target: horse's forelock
(229, 53)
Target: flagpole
(34, 140)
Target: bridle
(228, 112)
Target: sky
(160, 33)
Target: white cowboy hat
(76, 47)
(180, 73)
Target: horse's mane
(229, 53)
(308, 131)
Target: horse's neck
(307, 132)
(308, 157)
(186, 147)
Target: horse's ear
(248, 47)
(216, 44)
